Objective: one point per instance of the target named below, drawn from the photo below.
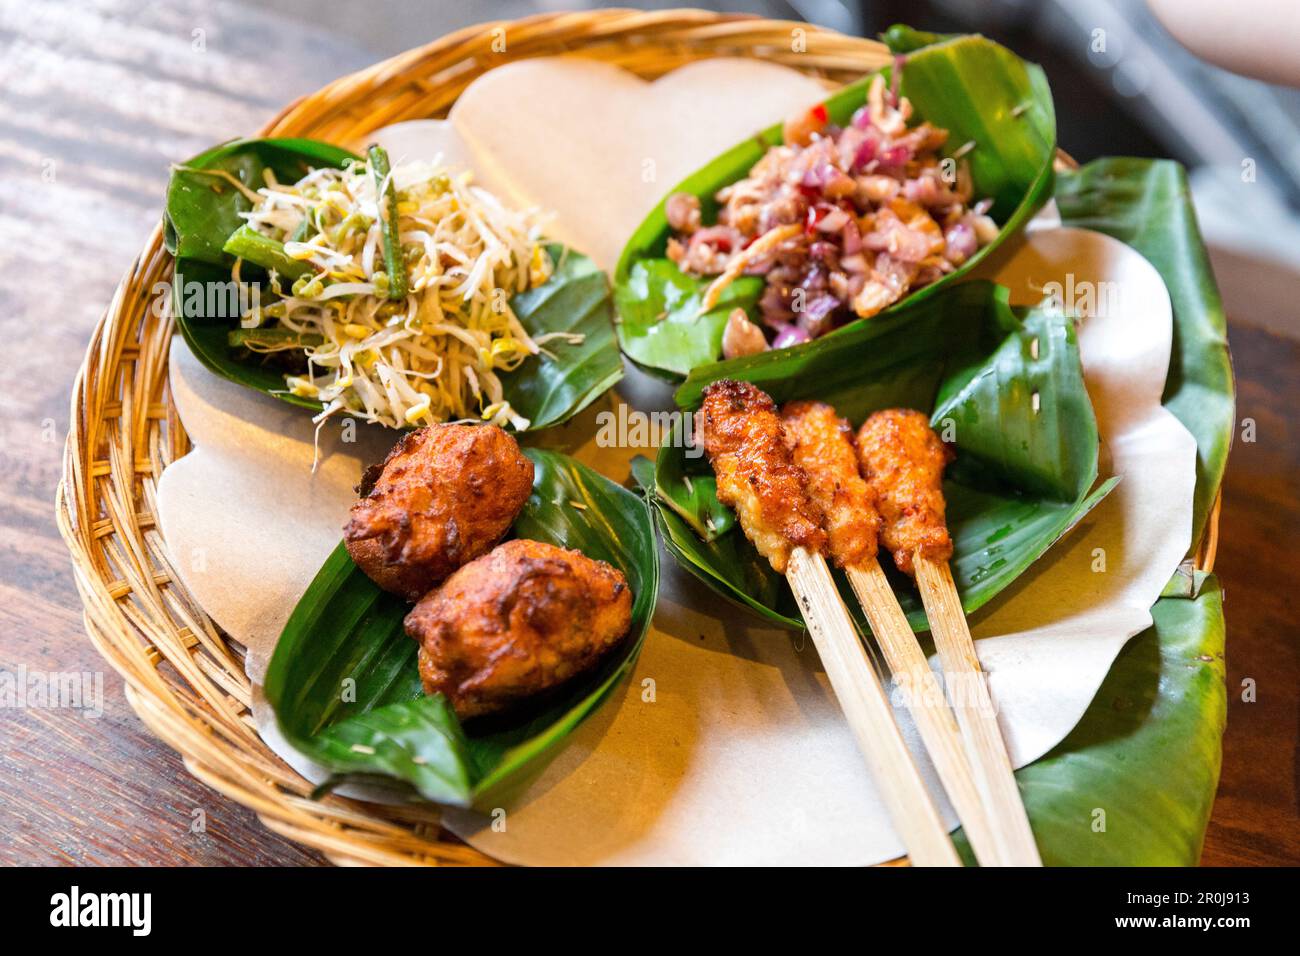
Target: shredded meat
(821, 443)
(524, 618)
(840, 222)
(683, 212)
(756, 474)
(741, 336)
(444, 495)
(903, 460)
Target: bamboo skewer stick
(902, 460)
(975, 714)
(757, 475)
(928, 707)
(866, 707)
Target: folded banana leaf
(1146, 203)
(1004, 385)
(979, 91)
(1133, 783)
(344, 685)
(1094, 799)
(203, 207)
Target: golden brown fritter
(523, 618)
(444, 495)
(756, 474)
(903, 460)
(821, 443)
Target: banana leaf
(203, 211)
(1163, 703)
(1133, 783)
(1023, 476)
(901, 38)
(203, 208)
(976, 89)
(344, 685)
(1147, 204)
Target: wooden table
(1257, 812)
(95, 101)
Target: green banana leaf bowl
(203, 212)
(998, 110)
(1148, 749)
(344, 681)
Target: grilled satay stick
(902, 460)
(821, 443)
(756, 477)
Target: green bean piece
(249, 244)
(394, 262)
(273, 338)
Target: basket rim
(183, 677)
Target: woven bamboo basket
(183, 676)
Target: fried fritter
(903, 460)
(756, 474)
(523, 618)
(821, 443)
(444, 495)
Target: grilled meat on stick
(821, 443)
(756, 475)
(902, 460)
(759, 478)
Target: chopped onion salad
(840, 222)
(395, 286)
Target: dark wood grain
(1257, 812)
(95, 101)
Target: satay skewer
(866, 707)
(821, 444)
(756, 476)
(976, 714)
(902, 460)
(926, 703)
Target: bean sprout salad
(395, 286)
